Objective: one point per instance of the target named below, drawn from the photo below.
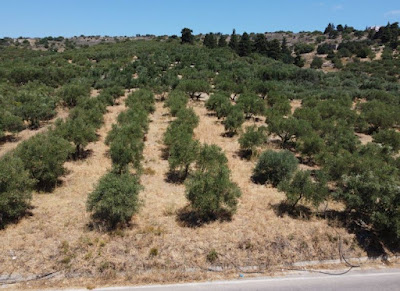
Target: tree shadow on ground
(298, 212)
(228, 134)
(8, 138)
(372, 242)
(175, 177)
(83, 155)
(164, 153)
(187, 217)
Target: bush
(234, 120)
(303, 48)
(194, 87)
(43, 156)
(15, 189)
(72, 93)
(182, 153)
(219, 103)
(126, 146)
(115, 199)
(388, 137)
(251, 104)
(317, 63)
(143, 98)
(252, 138)
(35, 105)
(212, 194)
(176, 101)
(274, 167)
(210, 157)
(77, 131)
(301, 187)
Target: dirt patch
(294, 104)
(57, 237)
(364, 138)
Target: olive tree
(115, 199)
(15, 189)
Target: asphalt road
(384, 279)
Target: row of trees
(209, 189)
(115, 198)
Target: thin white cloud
(337, 7)
(392, 13)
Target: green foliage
(78, 131)
(210, 157)
(234, 119)
(252, 138)
(389, 138)
(210, 40)
(194, 87)
(43, 156)
(15, 189)
(287, 128)
(251, 104)
(72, 93)
(244, 46)
(126, 146)
(211, 192)
(187, 36)
(316, 63)
(301, 187)
(274, 167)
(182, 153)
(303, 48)
(176, 101)
(143, 98)
(34, 104)
(115, 199)
(219, 103)
(379, 115)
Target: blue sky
(130, 17)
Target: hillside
(128, 158)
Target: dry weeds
(157, 248)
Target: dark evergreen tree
(222, 41)
(244, 48)
(187, 36)
(233, 43)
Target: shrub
(211, 193)
(15, 189)
(176, 101)
(274, 167)
(43, 156)
(182, 153)
(317, 63)
(126, 146)
(301, 187)
(194, 87)
(251, 104)
(77, 131)
(72, 93)
(234, 120)
(143, 98)
(115, 199)
(252, 138)
(210, 157)
(303, 48)
(35, 105)
(388, 137)
(219, 103)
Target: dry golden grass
(28, 133)
(157, 248)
